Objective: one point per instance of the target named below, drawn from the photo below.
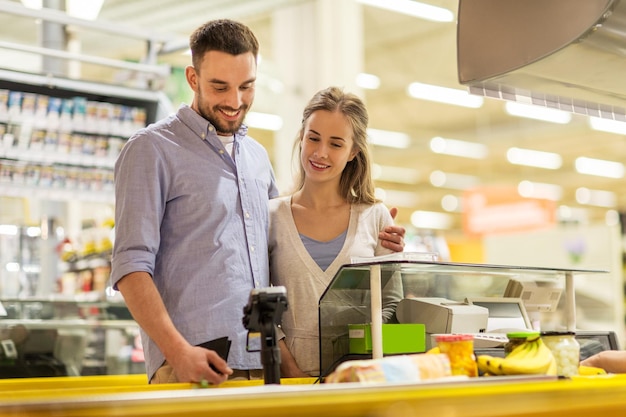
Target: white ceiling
(399, 49)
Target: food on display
(528, 358)
(565, 349)
(460, 351)
(400, 368)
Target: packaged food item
(400, 368)
(460, 351)
(566, 351)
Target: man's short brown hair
(222, 35)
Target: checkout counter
(366, 295)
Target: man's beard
(221, 127)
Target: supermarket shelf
(25, 191)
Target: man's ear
(192, 77)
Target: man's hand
(193, 364)
(392, 237)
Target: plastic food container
(566, 351)
(460, 351)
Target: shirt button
(247, 215)
(210, 128)
(221, 151)
(251, 248)
(203, 136)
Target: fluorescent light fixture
(611, 218)
(264, 121)
(397, 198)
(33, 4)
(541, 190)
(451, 203)
(599, 167)
(431, 220)
(567, 214)
(395, 174)
(607, 125)
(8, 229)
(389, 138)
(453, 181)
(368, 81)
(529, 157)
(530, 111)
(458, 148)
(413, 8)
(599, 198)
(12, 267)
(444, 95)
(33, 231)
(82, 9)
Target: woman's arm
(288, 366)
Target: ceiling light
(389, 138)
(454, 181)
(413, 8)
(607, 125)
(570, 215)
(444, 95)
(599, 198)
(33, 4)
(12, 267)
(82, 9)
(367, 81)
(450, 202)
(530, 111)
(430, 220)
(264, 121)
(395, 174)
(529, 157)
(8, 229)
(599, 167)
(88, 10)
(542, 190)
(612, 218)
(458, 148)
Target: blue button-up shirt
(197, 221)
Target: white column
(315, 45)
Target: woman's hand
(392, 237)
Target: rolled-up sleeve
(139, 190)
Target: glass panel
(347, 299)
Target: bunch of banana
(530, 357)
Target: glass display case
(369, 291)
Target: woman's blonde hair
(356, 184)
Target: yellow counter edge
(579, 397)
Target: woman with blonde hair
(332, 217)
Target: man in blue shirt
(191, 212)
